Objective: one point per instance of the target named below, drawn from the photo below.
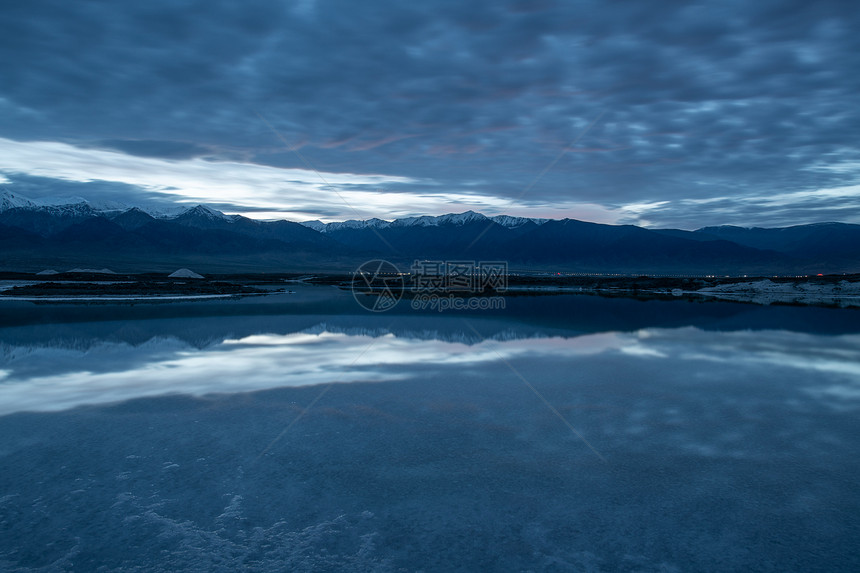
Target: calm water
(566, 433)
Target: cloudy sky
(677, 114)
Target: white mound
(96, 271)
(48, 272)
(184, 274)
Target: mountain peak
(205, 212)
(316, 225)
(462, 218)
(449, 219)
(456, 219)
(514, 222)
(11, 201)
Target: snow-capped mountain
(351, 224)
(11, 201)
(515, 222)
(201, 214)
(457, 219)
(450, 219)
(74, 232)
(164, 212)
(66, 204)
(316, 225)
(99, 206)
(83, 206)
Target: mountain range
(35, 235)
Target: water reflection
(53, 378)
(727, 436)
(51, 367)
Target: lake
(301, 433)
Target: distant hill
(35, 236)
(825, 242)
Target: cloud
(777, 209)
(699, 101)
(41, 169)
(155, 148)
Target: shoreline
(839, 291)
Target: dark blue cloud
(696, 100)
(99, 192)
(156, 148)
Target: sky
(662, 114)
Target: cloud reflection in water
(53, 377)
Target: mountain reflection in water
(264, 436)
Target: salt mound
(184, 274)
(48, 272)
